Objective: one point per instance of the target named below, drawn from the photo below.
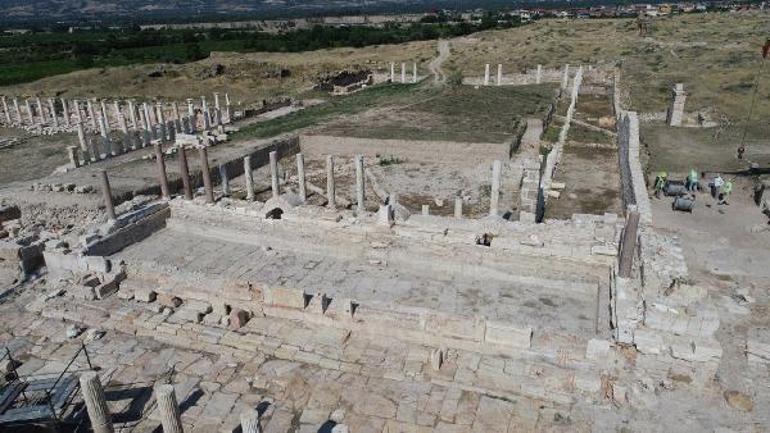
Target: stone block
(508, 335)
(106, 289)
(649, 342)
(144, 295)
(459, 327)
(86, 293)
(604, 250)
(168, 300)
(597, 350)
(282, 297)
(238, 318)
(696, 351)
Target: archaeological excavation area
(476, 257)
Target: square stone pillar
(274, 174)
(301, 177)
(486, 74)
(414, 72)
(403, 73)
(392, 72)
(30, 114)
(499, 74)
(6, 113)
(539, 74)
(105, 116)
(91, 114)
(17, 110)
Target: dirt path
(435, 65)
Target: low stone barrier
(415, 150)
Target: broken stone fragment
(73, 331)
(168, 300)
(94, 334)
(238, 318)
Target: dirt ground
(592, 183)
(34, 156)
(681, 149)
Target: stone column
(676, 110)
(132, 114)
(91, 115)
(107, 195)
(331, 194)
(274, 174)
(425, 210)
(30, 116)
(191, 114)
(494, 197)
(94, 145)
(249, 174)
(250, 421)
(458, 207)
(40, 111)
(161, 121)
(206, 116)
(162, 178)
(216, 101)
(360, 196)
(185, 172)
(106, 142)
(170, 418)
(225, 180)
(52, 107)
(392, 72)
(301, 177)
(403, 73)
(72, 153)
(121, 118)
(65, 112)
(207, 185)
(17, 110)
(105, 116)
(78, 115)
(539, 75)
(565, 77)
(177, 117)
(147, 119)
(96, 403)
(82, 137)
(6, 112)
(499, 74)
(228, 112)
(414, 72)
(486, 74)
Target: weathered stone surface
(508, 335)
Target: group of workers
(720, 189)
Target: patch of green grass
(338, 106)
(582, 134)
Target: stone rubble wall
(414, 150)
(634, 186)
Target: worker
(726, 190)
(693, 184)
(660, 183)
(716, 186)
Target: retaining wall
(415, 150)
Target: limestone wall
(415, 150)
(633, 185)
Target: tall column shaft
(494, 197)
(162, 178)
(360, 183)
(96, 403)
(331, 193)
(499, 74)
(250, 421)
(185, 171)
(403, 72)
(207, 185)
(168, 408)
(301, 177)
(249, 173)
(486, 74)
(274, 174)
(107, 194)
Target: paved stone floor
(522, 304)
